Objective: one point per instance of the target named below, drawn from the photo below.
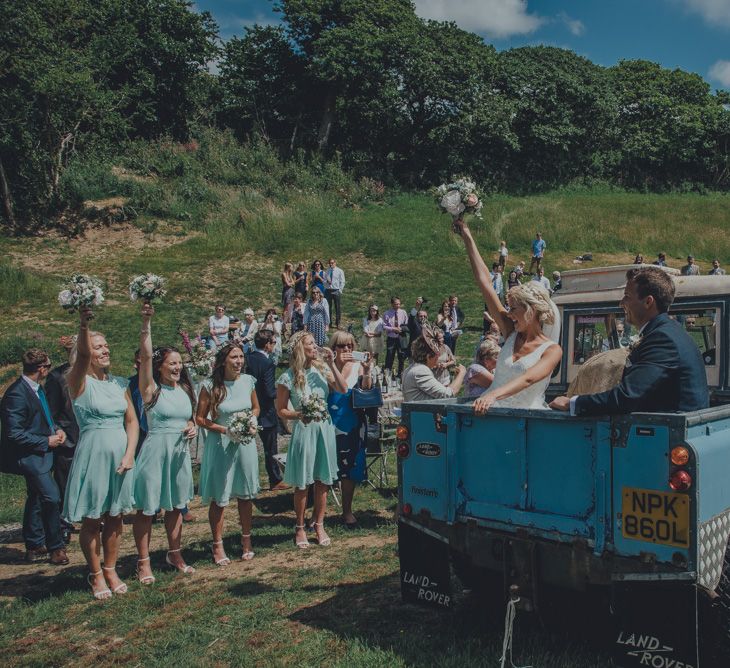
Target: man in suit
(664, 372)
(260, 365)
(457, 317)
(29, 437)
(59, 401)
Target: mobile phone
(359, 357)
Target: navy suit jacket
(664, 373)
(263, 369)
(59, 401)
(25, 431)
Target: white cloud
(716, 12)
(720, 71)
(576, 26)
(496, 18)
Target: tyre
(713, 620)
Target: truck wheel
(486, 587)
(713, 618)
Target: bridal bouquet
(81, 290)
(243, 426)
(314, 408)
(201, 360)
(458, 198)
(147, 287)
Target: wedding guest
(415, 324)
(457, 317)
(29, 437)
(350, 424)
(512, 280)
(100, 483)
(497, 282)
(503, 254)
(335, 284)
(218, 326)
(272, 324)
(661, 260)
(538, 251)
(260, 365)
(372, 338)
(419, 382)
(480, 374)
(446, 361)
(690, 269)
(249, 327)
(312, 455)
(164, 475)
(520, 270)
(557, 282)
(445, 322)
(301, 279)
(316, 277)
(229, 470)
(287, 284)
(317, 317)
(716, 270)
(639, 259)
(541, 279)
(62, 413)
(296, 314)
(395, 320)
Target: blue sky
(693, 35)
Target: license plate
(655, 517)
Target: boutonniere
(635, 343)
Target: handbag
(362, 399)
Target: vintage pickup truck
(634, 509)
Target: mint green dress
(230, 470)
(94, 487)
(312, 453)
(163, 473)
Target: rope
(509, 621)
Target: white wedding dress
(507, 370)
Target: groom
(664, 372)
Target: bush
(90, 180)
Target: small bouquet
(201, 360)
(81, 290)
(147, 287)
(243, 426)
(314, 408)
(458, 198)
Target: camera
(359, 357)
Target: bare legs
(320, 507)
(300, 507)
(142, 529)
(92, 544)
(245, 514)
(348, 493)
(215, 517)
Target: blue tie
(44, 406)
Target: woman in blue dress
(230, 470)
(317, 317)
(312, 455)
(164, 475)
(100, 482)
(316, 278)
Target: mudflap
(425, 575)
(655, 624)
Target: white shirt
(33, 385)
(219, 325)
(335, 278)
(542, 280)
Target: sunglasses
(45, 366)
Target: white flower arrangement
(314, 408)
(147, 287)
(81, 290)
(458, 198)
(243, 426)
(201, 361)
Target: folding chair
(379, 449)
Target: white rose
(451, 202)
(65, 297)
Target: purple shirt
(394, 319)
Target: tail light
(401, 432)
(407, 509)
(680, 481)
(679, 456)
(403, 449)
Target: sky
(693, 35)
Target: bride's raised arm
(484, 281)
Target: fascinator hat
(429, 335)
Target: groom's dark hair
(655, 282)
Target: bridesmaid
(229, 470)
(312, 455)
(164, 476)
(100, 482)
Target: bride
(529, 355)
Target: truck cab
(593, 322)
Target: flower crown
(295, 338)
